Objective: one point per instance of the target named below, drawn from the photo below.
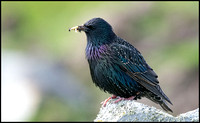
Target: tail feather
(159, 100)
(162, 93)
(164, 106)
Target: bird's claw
(105, 101)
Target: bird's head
(97, 30)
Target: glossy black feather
(118, 67)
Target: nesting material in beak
(74, 28)
(78, 28)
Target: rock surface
(127, 110)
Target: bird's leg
(129, 98)
(104, 102)
(122, 98)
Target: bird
(117, 67)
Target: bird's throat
(95, 51)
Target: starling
(117, 67)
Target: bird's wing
(131, 62)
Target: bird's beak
(78, 28)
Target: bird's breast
(96, 52)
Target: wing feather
(133, 64)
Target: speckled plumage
(118, 67)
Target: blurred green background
(45, 76)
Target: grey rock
(127, 110)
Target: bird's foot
(122, 98)
(105, 101)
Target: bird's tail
(159, 100)
(165, 106)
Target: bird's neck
(97, 45)
(101, 38)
